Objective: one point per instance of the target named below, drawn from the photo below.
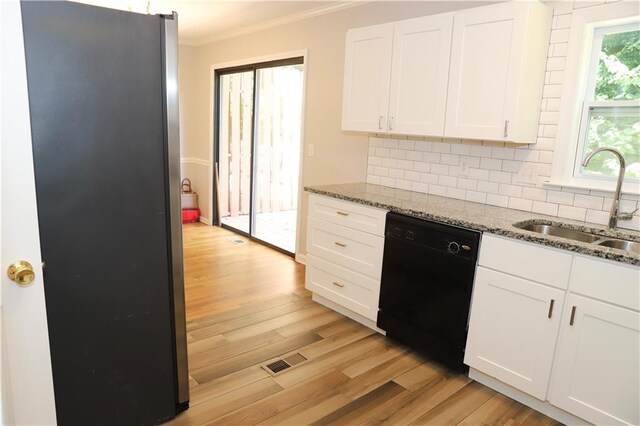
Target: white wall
(430, 165)
(339, 157)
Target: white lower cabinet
(513, 330)
(579, 357)
(597, 371)
(345, 242)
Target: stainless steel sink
(630, 246)
(559, 231)
(585, 237)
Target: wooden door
(367, 75)
(483, 78)
(419, 75)
(27, 382)
(513, 330)
(597, 371)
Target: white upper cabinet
(474, 74)
(419, 73)
(496, 75)
(366, 78)
(396, 76)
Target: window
(600, 99)
(611, 111)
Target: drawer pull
(337, 284)
(573, 315)
(339, 244)
(551, 308)
(342, 213)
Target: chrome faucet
(615, 214)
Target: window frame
(588, 28)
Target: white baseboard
(301, 258)
(205, 220)
(513, 393)
(347, 313)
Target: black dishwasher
(427, 280)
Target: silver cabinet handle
(573, 315)
(340, 244)
(337, 284)
(506, 128)
(341, 213)
(391, 121)
(380, 122)
(551, 308)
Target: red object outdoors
(190, 215)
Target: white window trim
(579, 51)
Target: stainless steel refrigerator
(103, 94)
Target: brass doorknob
(21, 272)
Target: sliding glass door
(258, 146)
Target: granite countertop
(481, 217)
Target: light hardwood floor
(247, 305)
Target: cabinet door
(513, 329)
(597, 374)
(367, 73)
(419, 74)
(483, 78)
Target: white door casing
(27, 378)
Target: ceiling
(204, 21)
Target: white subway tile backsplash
(429, 178)
(490, 164)
(570, 212)
(420, 187)
(467, 183)
(510, 190)
(390, 162)
(449, 159)
(489, 187)
(443, 147)
(414, 155)
(500, 177)
(396, 173)
(588, 201)
(406, 144)
(456, 193)
(478, 174)
(476, 197)
(405, 164)
(412, 176)
(559, 35)
(535, 194)
(440, 169)
(490, 175)
(545, 208)
(420, 166)
(438, 190)
(559, 197)
(497, 200)
(447, 181)
(520, 204)
(503, 153)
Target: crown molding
(288, 19)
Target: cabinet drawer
(345, 213)
(531, 261)
(608, 281)
(346, 288)
(356, 250)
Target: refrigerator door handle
(172, 140)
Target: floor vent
(235, 240)
(277, 366)
(280, 365)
